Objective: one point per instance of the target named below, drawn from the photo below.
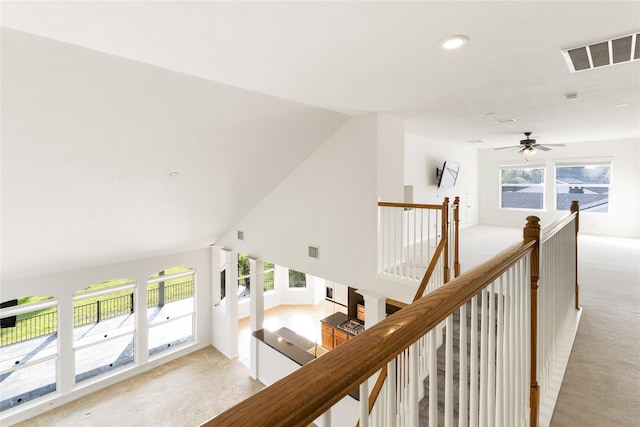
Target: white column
(256, 279)
(231, 299)
(215, 275)
(375, 308)
(142, 327)
(66, 357)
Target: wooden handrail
(548, 231)
(408, 205)
(314, 388)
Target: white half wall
(624, 203)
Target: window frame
(541, 185)
(583, 163)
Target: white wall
(624, 202)
(422, 157)
(330, 201)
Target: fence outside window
(47, 323)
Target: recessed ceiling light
(624, 104)
(571, 96)
(174, 174)
(476, 141)
(489, 114)
(455, 42)
(504, 120)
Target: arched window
(28, 349)
(104, 325)
(170, 308)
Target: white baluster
(433, 378)
(448, 373)
(463, 393)
(491, 351)
(500, 365)
(473, 388)
(392, 396)
(364, 404)
(414, 382)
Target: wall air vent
(240, 235)
(602, 53)
(314, 252)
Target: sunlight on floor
(302, 319)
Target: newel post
(445, 236)
(532, 231)
(456, 230)
(575, 207)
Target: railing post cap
(575, 206)
(533, 222)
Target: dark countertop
(285, 345)
(335, 319)
(294, 346)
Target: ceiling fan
(528, 147)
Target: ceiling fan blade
(505, 148)
(541, 147)
(554, 145)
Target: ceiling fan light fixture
(455, 42)
(528, 151)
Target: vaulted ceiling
(102, 101)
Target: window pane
(170, 310)
(583, 175)
(28, 383)
(103, 356)
(522, 188)
(169, 334)
(28, 350)
(297, 279)
(522, 176)
(588, 184)
(104, 322)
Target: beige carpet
(601, 386)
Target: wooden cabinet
(339, 337)
(327, 336)
(360, 314)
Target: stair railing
(500, 295)
(558, 310)
(410, 236)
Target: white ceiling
(90, 135)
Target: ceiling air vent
(600, 54)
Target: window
(587, 183)
(104, 324)
(28, 349)
(244, 277)
(170, 308)
(297, 279)
(269, 276)
(522, 188)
